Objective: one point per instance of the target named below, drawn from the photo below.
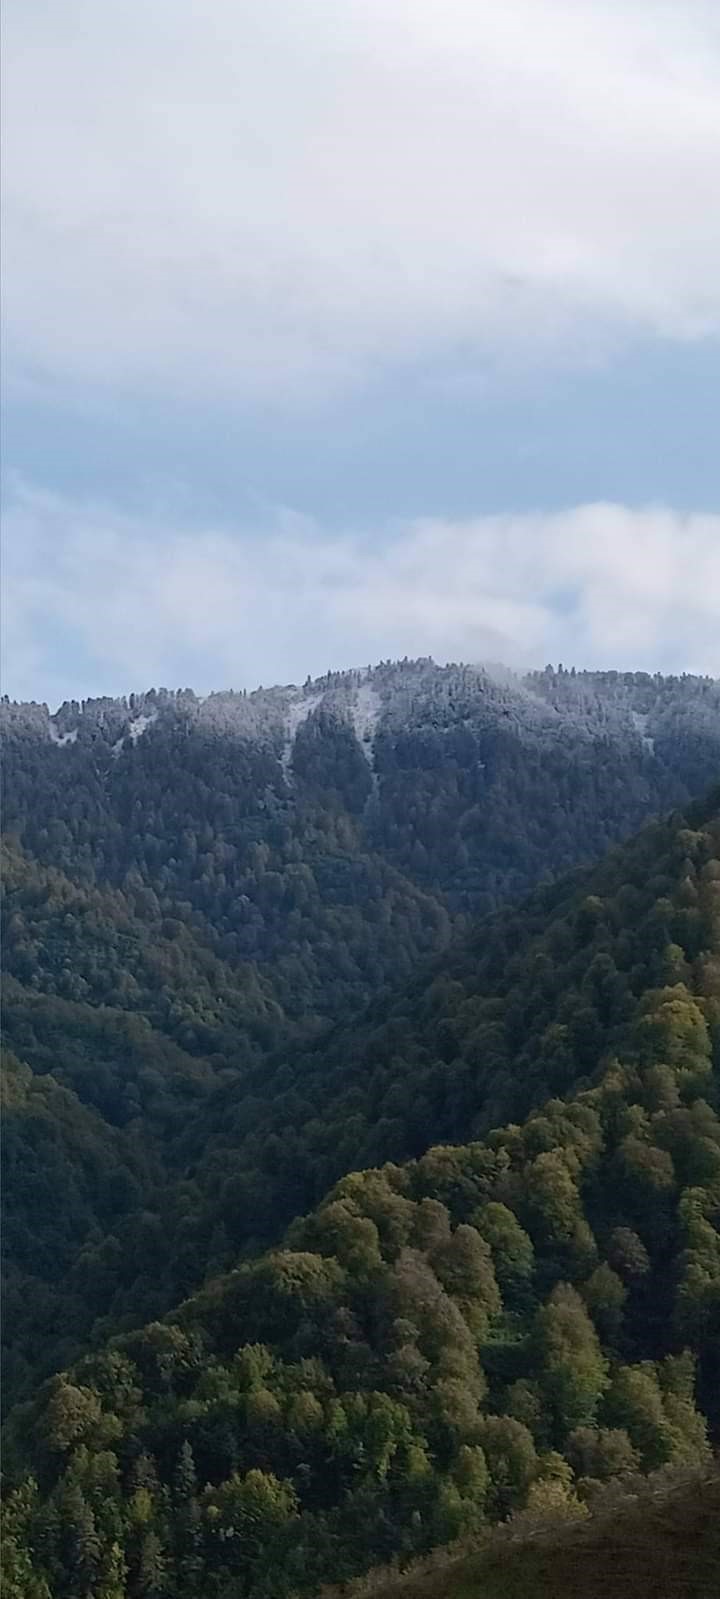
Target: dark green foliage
(493, 1325)
(241, 997)
(204, 1158)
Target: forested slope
(447, 1338)
(219, 1153)
(263, 820)
(202, 898)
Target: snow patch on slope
(61, 739)
(135, 730)
(140, 725)
(640, 722)
(365, 711)
(296, 713)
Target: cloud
(99, 602)
(286, 197)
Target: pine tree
(151, 1567)
(187, 1525)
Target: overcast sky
(357, 328)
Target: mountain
(297, 954)
(488, 1327)
(318, 842)
(221, 915)
(474, 785)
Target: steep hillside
(527, 1007)
(67, 1177)
(235, 943)
(495, 1325)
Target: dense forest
(502, 1323)
(362, 1174)
(251, 867)
(209, 906)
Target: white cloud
(98, 602)
(244, 194)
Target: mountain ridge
(470, 785)
(367, 694)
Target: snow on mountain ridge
(365, 710)
(61, 739)
(141, 725)
(402, 696)
(297, 712)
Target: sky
(354, 329)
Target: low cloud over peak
(98, 601)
